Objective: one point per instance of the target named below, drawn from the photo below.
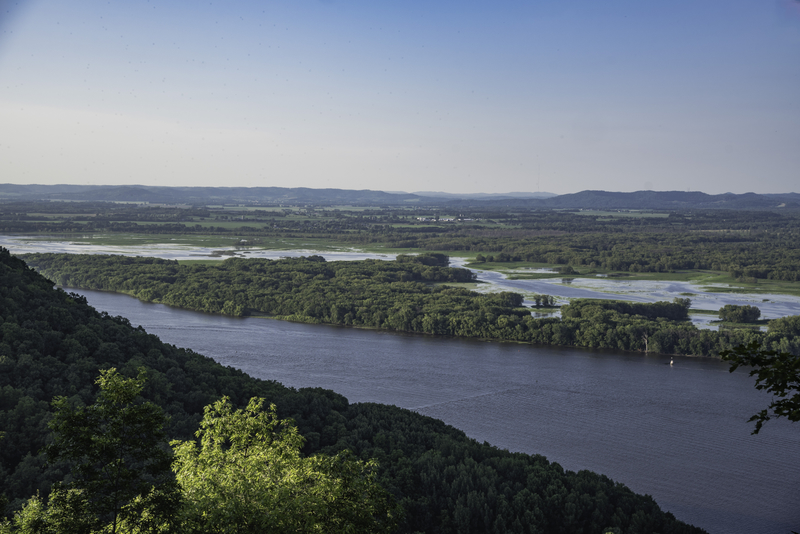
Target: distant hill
(656, 200)
(483, 196)
(653, 200)
(202, 195)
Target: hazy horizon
(522, 194)
(470, 98)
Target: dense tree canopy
(402, 295)
(777, 373)
(739, 314)
(115, 447)
(246, 475)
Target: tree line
(395, 295)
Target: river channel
(678, 433)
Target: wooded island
(401, 295)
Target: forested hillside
(53, 343)
(395, 295)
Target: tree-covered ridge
(245, 474)
(53, 344)
(398, 296)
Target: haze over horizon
(462, 97)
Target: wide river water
(678, 433)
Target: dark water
(677, 433)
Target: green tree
(246, 475)
(785, 326)
(67, 512)
(120, 462)
(739, 314)
(776, 372)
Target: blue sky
(466, 96)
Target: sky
(461, 96)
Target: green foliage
(53, 344)
(116, 449)
(247, 476)
(739, 314)
(395, 296)
(365, 293)
(785, 326)
(678, 310)
(68, 512)
(543, 300)
(777, 373)
(436, 259)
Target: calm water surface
(677, 433)
(772, 306)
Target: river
(678, 433)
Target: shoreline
(289, 318)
